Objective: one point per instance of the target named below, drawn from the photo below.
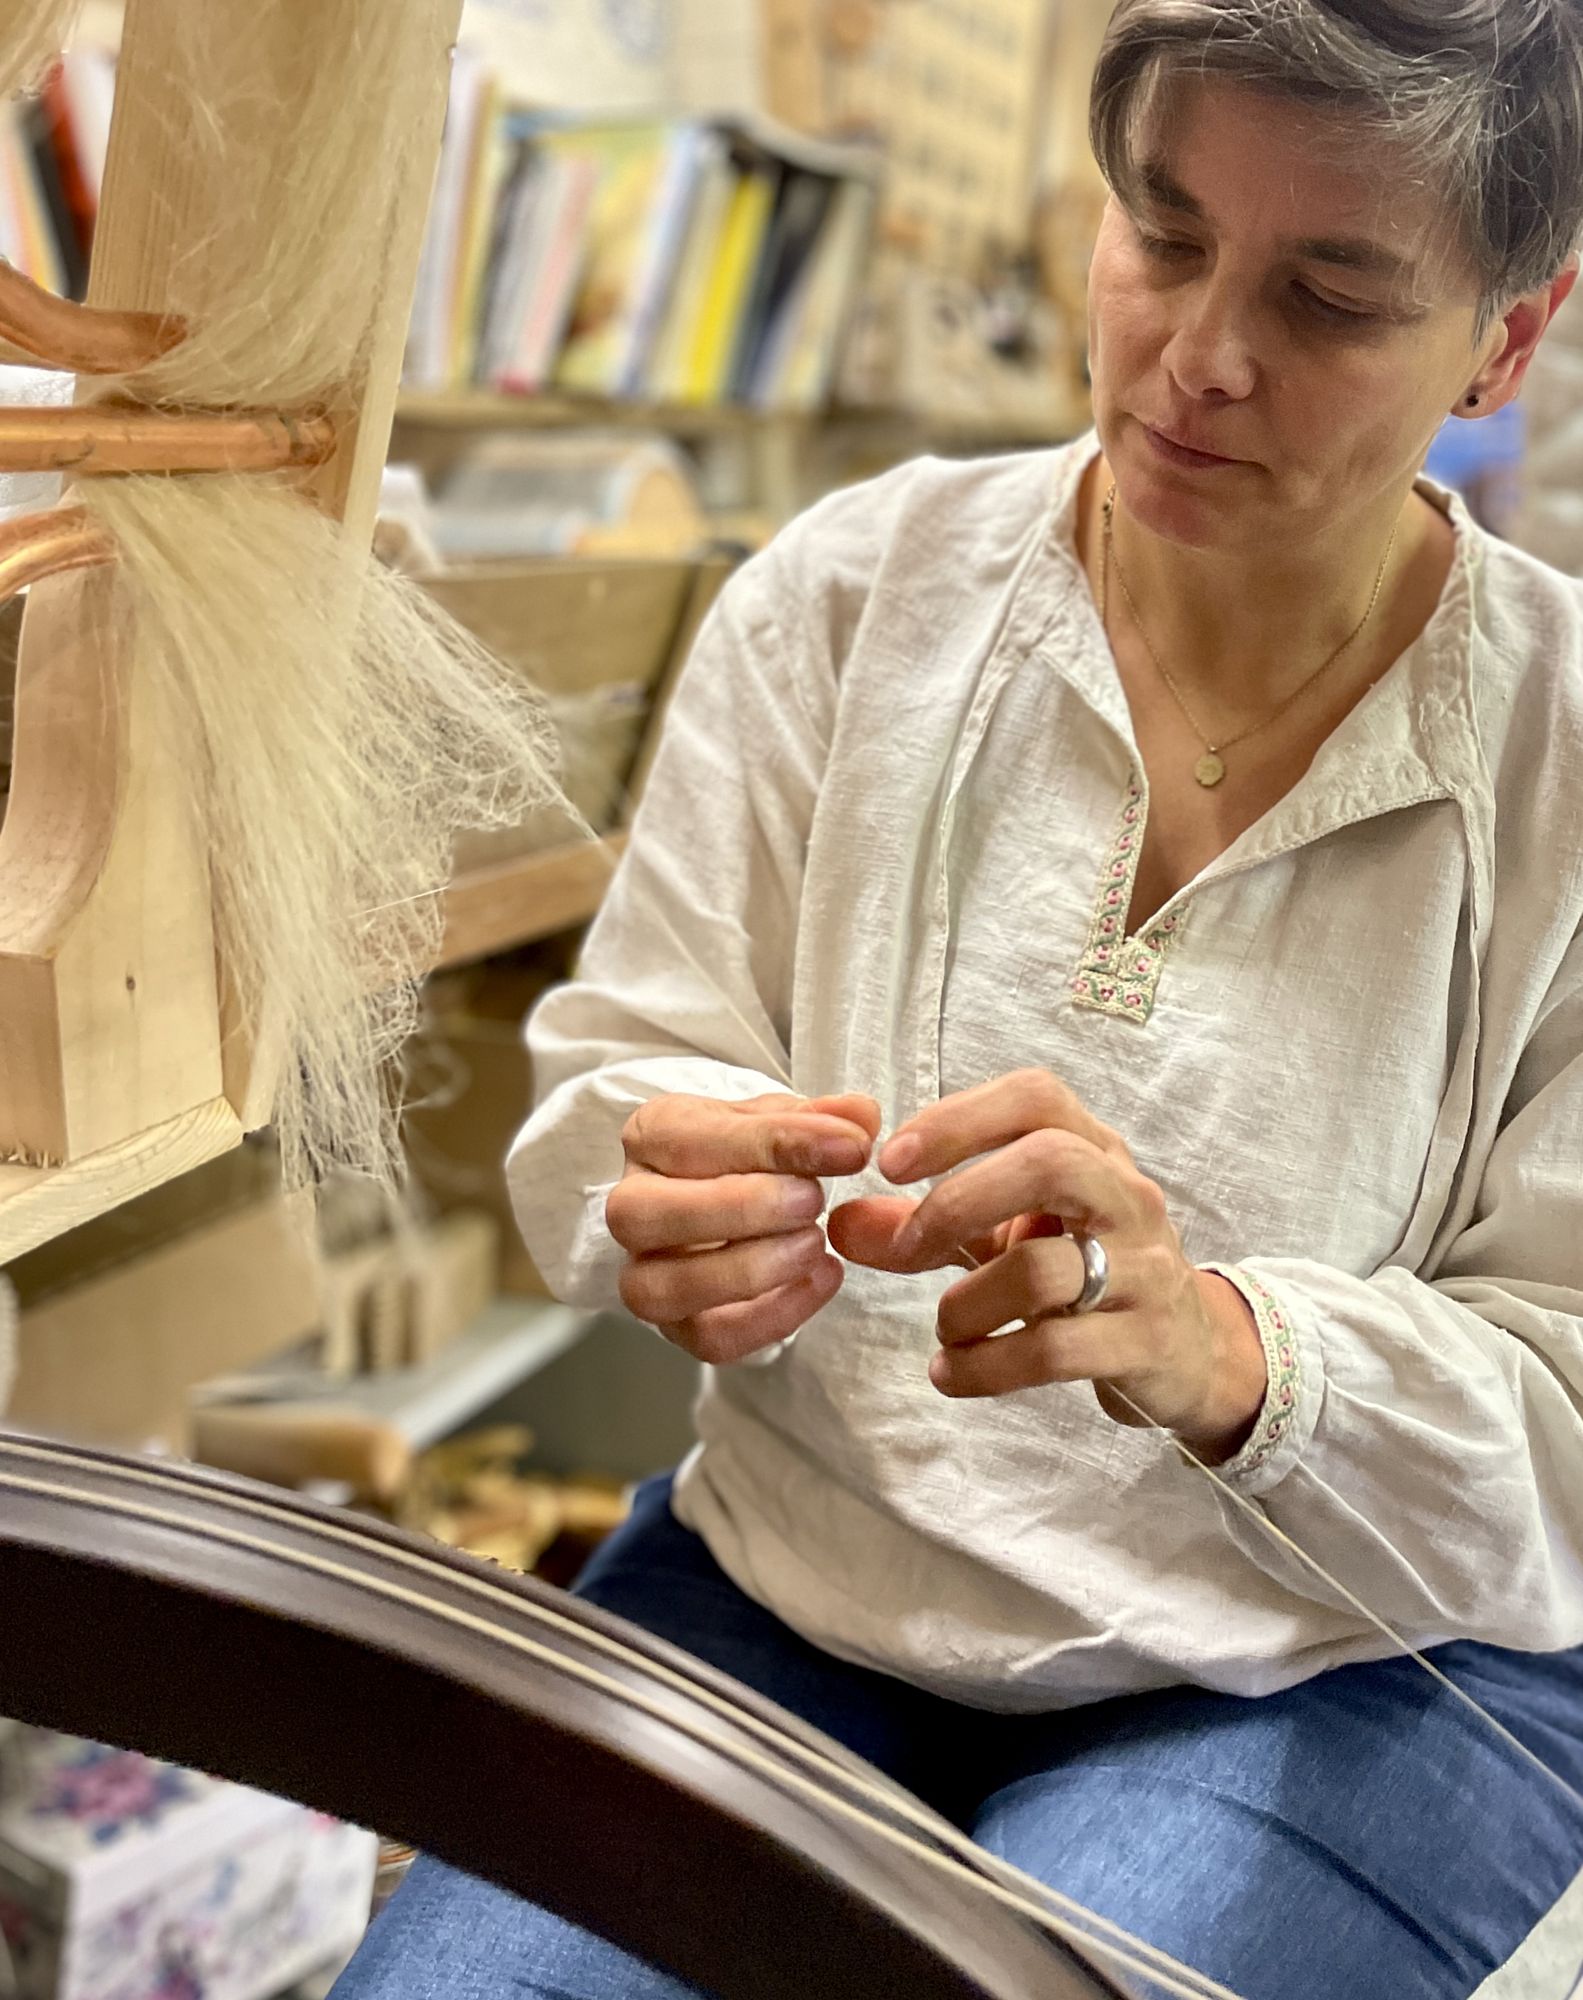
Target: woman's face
(1278, 328)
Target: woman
(1175, 837)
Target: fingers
(855, 1109)
(1034, 1279)
(649, 1212)
(1046, 1172)
(718, 1210)
(1092, 1348)
(868, 1230)
(865, 1231)
(698, 1138)
(669, 1289)
(971, 1122)
(731, 1333)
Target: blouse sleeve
(1422, 1439)
(685, 981)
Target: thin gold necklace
(1211, 767)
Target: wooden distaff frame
(120, 1066)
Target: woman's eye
(1166, 247)
(1328, 309)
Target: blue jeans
(1362, 1835)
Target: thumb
(864, 1231)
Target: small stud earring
(1473, 402)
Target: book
(664, 376)
(796, 369)
(72, 129)
(37, 126)
(555, 255)
(794, 232)
(13, 247)
(645, 185)
(85, 87)
(486, 172)
(678, 197)
(619, 256)
(511, 272)
(429, 339)
(730, 280)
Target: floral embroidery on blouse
(1118, 974)
(1283, 1362)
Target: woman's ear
(1499, 380)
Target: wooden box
(121, 1876)
(597, 637)
(120, 1318)
(472, 1086)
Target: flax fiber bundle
(337, 730)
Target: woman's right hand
(719, 1209)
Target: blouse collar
(1412, 737)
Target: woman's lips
(1184, 455)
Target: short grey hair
(1485, 96)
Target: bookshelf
(661, 256)
(509, 1341)
(484, 409)
(480, 409)
(665, 269)
(774, 463)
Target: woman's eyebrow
(1359, 254)
(1160, 186)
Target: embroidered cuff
(1291, 1401)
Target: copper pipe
(34, 546)
(97, 438)
(81, 340)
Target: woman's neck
(1243, 630)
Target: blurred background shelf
(518, 902)
(751, 470)
(486, 409)
(483, 409)
(294, 1423)
(509, 1342)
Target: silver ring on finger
(1096, 1276)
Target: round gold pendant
(1209, 770)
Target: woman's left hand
(1171, 1345)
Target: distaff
(1162, 1343)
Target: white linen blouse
(888, 846)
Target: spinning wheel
(393, 1682)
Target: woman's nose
(1209, 356)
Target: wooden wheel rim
(401, 1685)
